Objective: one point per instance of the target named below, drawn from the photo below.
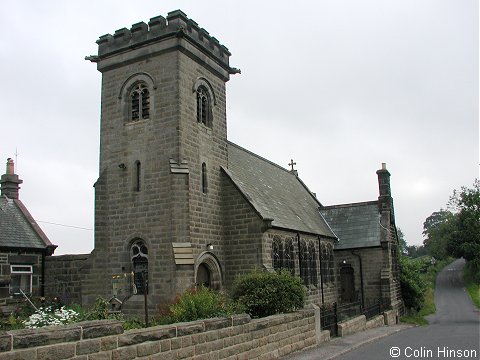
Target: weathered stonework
(219, 338)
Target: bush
(202, 303)
(412, 283)
(50, 316)
(269, 293)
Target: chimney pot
(384, 166)
(10, 167)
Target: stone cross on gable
(291, 164)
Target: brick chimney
(385, 195)
(9, 182)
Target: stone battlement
(177, 24)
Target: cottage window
(139, 256)
(21, 279)
(140, 103)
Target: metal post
(145, 293)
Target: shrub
(51, 316)
(202, 303)
(412, 283)
(268, 293)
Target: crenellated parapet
(177, 24)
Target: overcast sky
(339, 86)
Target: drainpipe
(321, 271)
(298, 247)
(42, 283)
(361, 276)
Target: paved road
(453, 331)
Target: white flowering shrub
(50, 316)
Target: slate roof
(18, 229)
(275, 192)
(356, 225)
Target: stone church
(177, 204)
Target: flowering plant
(51, 316)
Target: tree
(402, 243)
(412, 283)
(438, 229)
(465, 239)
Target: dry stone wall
(220, 338)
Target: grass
(473, 287)
(428, 307)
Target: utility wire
(70, 226)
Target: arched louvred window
(139, 257)
(312, 264)
(289, 257)
(140, 103)
(204, 107)
(277, 254)
(204, 178)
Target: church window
(204, 111)
(277, 254)
(289, 260)
(312, 264)
(304, 262)
(139, 256)
(140, 103)
(138, 175)
(327, 263)
(204, 178)
(283, 255)
(308, 264)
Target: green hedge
(202, 303)
(268, 293)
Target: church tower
(158, 227)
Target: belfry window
(140, 103)
(204, 110)
(139, 256)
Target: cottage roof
(18, 229)
(275, 193)
(356, 225)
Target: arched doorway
(208, 271)
(347, 284)
(203, 276)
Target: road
(454, 327)
(453, 331)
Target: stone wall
(218, 338)
(372, 264)
(63, 278)
(8, 258)
(242, 231)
